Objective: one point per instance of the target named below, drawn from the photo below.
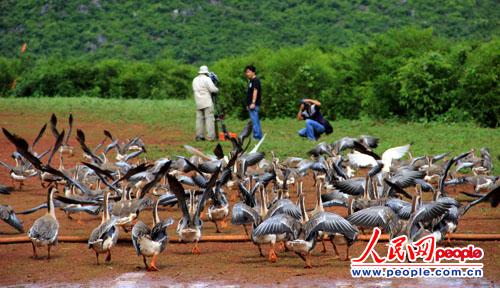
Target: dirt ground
(219, 264)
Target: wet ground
(220, 264)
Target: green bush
(480, 94)
(9, 70)
(107, 79)
(427, 84)
(409, 74)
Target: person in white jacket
(203, 87)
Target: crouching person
(315, 123)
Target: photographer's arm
(312, 101)
(211, 86)
(299, 115)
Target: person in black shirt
(315, 123)
(254, 93)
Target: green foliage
(205, 31)
(427, 83)
(108, 79)
(8, 72)
(480, 95)
(410, 74)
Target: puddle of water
(142, 279)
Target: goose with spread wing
(127, 209)
(364, 160)
(19, 173)
(189, 227)
(66, 148)
(303, 234)
(122, 149)
(377, 216)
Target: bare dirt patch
(219, 264)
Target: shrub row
(409, 74)
(107, 79)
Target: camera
(214, 78)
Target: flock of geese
(389, 196)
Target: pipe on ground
(244, 238)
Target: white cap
(203, 70)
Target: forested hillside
(196, 31)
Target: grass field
(175, 119)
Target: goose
(67, 149)
(248, 160)
(219, 208)
(447, 167)
(486, 164)
(364, 144)
(151, 242)
(90, 155)
(431, 166)
(8, 215)
(20, 160)
(319, 209)
(238, 142)
(127, 209)
(244, 213)
(104, 236)
(45, 229)
(19, 173)
(322, 148)
(123, 148)
(36, 140)
(441, 216)
(370, 196)
(266, 238)
(303, 233)
(493, 197)
(367, 193)
(189, 227)
(364, 160)
(24, 149)
(377, 216)
(424, 213)
(480, 182)
(64, 148)
(47, 176)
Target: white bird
(364, 160)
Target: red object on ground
(222, 138)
